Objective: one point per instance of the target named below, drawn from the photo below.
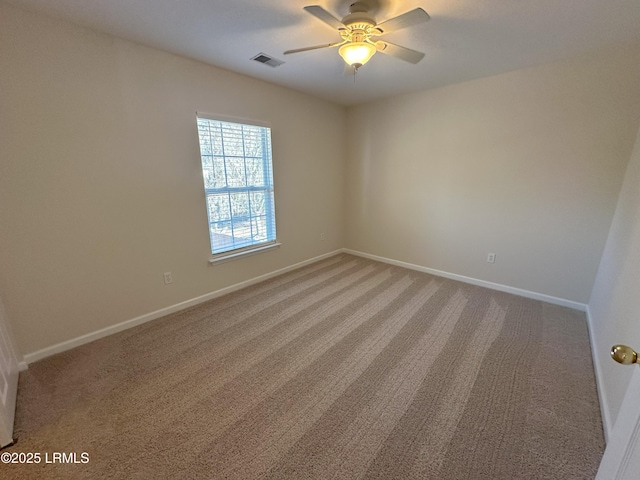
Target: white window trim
(227, 118)
(252, 250)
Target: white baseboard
(90, 337)
(22, 366)
(474, 281)
(607, 425)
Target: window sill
(245, 253)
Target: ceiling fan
(359, 32)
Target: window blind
(238, 183)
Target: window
(238, 184)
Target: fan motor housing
(358, 20)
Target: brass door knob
(624, 355)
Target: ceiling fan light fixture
(357, 53)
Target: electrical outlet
(167, 278)
(322, 237)
(491, 258)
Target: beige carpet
(345, 369)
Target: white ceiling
(464, 39)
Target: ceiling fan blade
(316, 47)
(408, 19)
(403, 53)
(320, 13)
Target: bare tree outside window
(238, 184)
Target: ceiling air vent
(267, 60)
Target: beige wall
(526, 165)
(100, 183)
(615, 301)
(101, 189)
